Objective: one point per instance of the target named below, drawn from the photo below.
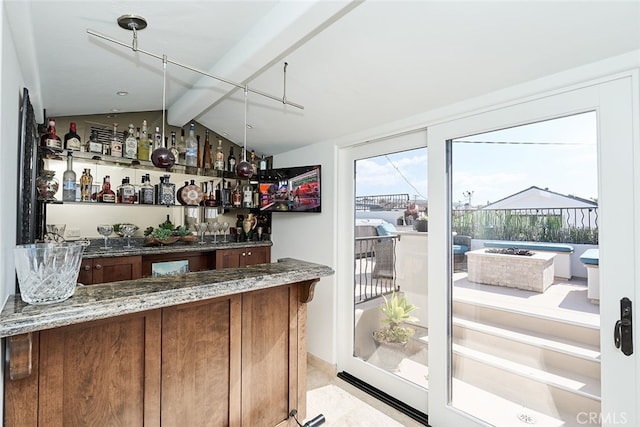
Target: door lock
(623, 331)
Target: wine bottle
(191, 147)
(72, 139)
(69, 180)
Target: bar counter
(132, 296)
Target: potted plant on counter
(422, 223)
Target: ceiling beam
(285, 27)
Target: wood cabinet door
(271, 357)
(258, 255)
(85, 276)
(198, 261)
(116, 269)
(201, 363)
(230, 258)
(100, 373)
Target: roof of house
(538, 198)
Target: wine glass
(105, 230)
(201, 227)
(128, 230)
(224, 227)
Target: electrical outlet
(73, 232)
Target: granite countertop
(118, 298)
(94, 250)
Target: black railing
(382, 202)
(558, 225)
(375, 267)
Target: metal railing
(382, 202)
(557, 225)
(375, 267)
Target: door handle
(623, 331)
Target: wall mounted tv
(295, 189)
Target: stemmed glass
(201, 227)
(128, 230)
(224, 227)
(105, 230)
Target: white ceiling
(353, 65)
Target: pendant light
(244, 168)
(162, 157)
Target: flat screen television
(294, 189)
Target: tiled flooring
(368, 414)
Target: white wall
(11, 84)
(311, 237)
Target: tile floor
(367, 415)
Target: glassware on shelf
(128, 230)
(201, 228)
(105, 230)
(55, 233)
(225, 227)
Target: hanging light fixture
(162, 157)
(244, 168)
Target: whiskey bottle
(69, 181)
(116, 143)
(143, 143)
(218, 164)
(231, 161)
(247, 195)
(127, 192)
(174, 148)
(236, 196)
(95, 146)
(146, 191)
(206, 154)
(107, 195)
(191, 148)
(86, 182)
(131, 144)
(50, 139)
(72, 139)
(212, 200)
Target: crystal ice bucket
(47, 272)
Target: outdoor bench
(591, 260)
(561, 262)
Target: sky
(559, 154)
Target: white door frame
(616, 101)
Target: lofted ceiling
(352, 65)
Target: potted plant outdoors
(396, 312)
(422, 223)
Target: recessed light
(122, 93)
(249, 126)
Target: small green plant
(396, 312)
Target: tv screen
(295, 189)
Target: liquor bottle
(166, 192)
(200, 151)
(127, 192)
(157, 139)
(206, 155)
(69, 180)
(212, 200)
(191, 147)
(116, 144)
(50, 139)
(236, 197)
(218, 164)
(95, 146)
(146, 191)
(247, 195)
(182, 148)
(174, 148)
(143, 144)
(72, 139)
(263, 164)
(231, 161)
(225, 194)
(86, 181)
(107, 195)
(254, 162)
(131, 144)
